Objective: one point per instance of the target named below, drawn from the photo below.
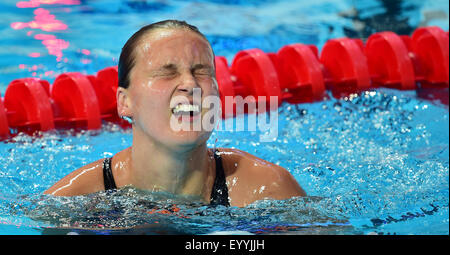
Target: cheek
(209, 86)
(149, 99)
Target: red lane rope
(295, 74)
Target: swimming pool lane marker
(295, 74)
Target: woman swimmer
(161, 62)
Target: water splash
(371, 163)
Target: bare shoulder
(85, 180)
(251, 178)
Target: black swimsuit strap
(219, 193)
(108, 177)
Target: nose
(187, 84)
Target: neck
(160, 168)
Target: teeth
(185, 108)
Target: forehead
(173, 45)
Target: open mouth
(186, 110)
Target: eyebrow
(173, 67)
(201, 66)
(169, 66)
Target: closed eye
(201, 69)
(166, 70)
(203, 72)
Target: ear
(123, 102)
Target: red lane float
(430, 45)
(389, 61)
(105, 84)
(255, 75)
(401, 62)
(295, 74)
(300, 73)
(76, 102)
(345, 66)
(4, 127)
(28, 104)
(430, 50)
(226, 89)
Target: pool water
(372, 163)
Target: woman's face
(171, 65)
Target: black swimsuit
(219, 194)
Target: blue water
(373, 163)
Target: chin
(182, 139)
(190, 138)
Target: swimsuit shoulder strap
(219, 193)
(108, 177)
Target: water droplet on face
(261, 189)
(234, 181)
